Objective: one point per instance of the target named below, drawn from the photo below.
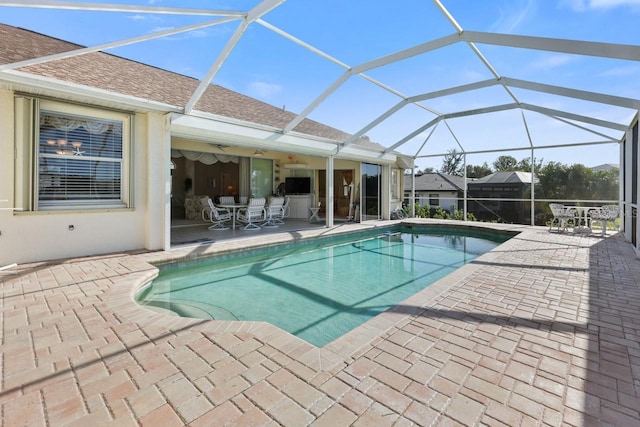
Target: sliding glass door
(261, 177)
(371, 189)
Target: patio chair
(605, 214)
(253, 214)
(273, 212)
(286, 210)
(226, 200)
(561, 216)
(314, 213)
(244, 200)
(214, 214)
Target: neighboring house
(89, 143)
(436, 189)
(605, 167)
(509, 186)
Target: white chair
(226, 200)
(561, 216)
(605, 214)
(204, 202)
(286, 210)
(253, 214)
(244, 200)
(273, 212)
(216, 215)
(315, 212)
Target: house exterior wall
(448, 200)
(45, 235)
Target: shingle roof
(605, 167)
(127, 77)
(506, 178)
(435, 182)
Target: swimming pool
(321, 289)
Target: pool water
(316, 293)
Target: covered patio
(542, 330)
(191, 232)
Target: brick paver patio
(545, 330)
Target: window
(395, 184)
(434, 200)
(80, 157)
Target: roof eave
(222, 129)
(46, 86)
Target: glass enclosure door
(261, 177)
(371, 189)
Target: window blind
(79, 159)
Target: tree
(576, 182)
(478, 171)
(505, 164)
(524, 165)
(553, 182)
(427, 169)
(606, 184)
(452, 163)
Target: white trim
(44, 4)
(85, 203)
(220, 129)
(67, 91)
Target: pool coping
(347, 347)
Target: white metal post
(329, 185)
(413, 192)
(533, 199)
(464, 210)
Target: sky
(267, 66)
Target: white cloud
(631, 70)
(594, 5)
(193, 34)
(469, 76)
(575, 5)
(158, 29)
(608, 4)
(137, 17)
(551, 61)
(263, 90)
(196, 33)
(143, 18)
(514, 15)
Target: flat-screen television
(297, 185)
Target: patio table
(582, 220)
(233, 207)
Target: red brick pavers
(542, 331)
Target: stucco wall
(448, 200)
(46, 235)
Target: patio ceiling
(420, 114)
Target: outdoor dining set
(581, 218)
(249, 213)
